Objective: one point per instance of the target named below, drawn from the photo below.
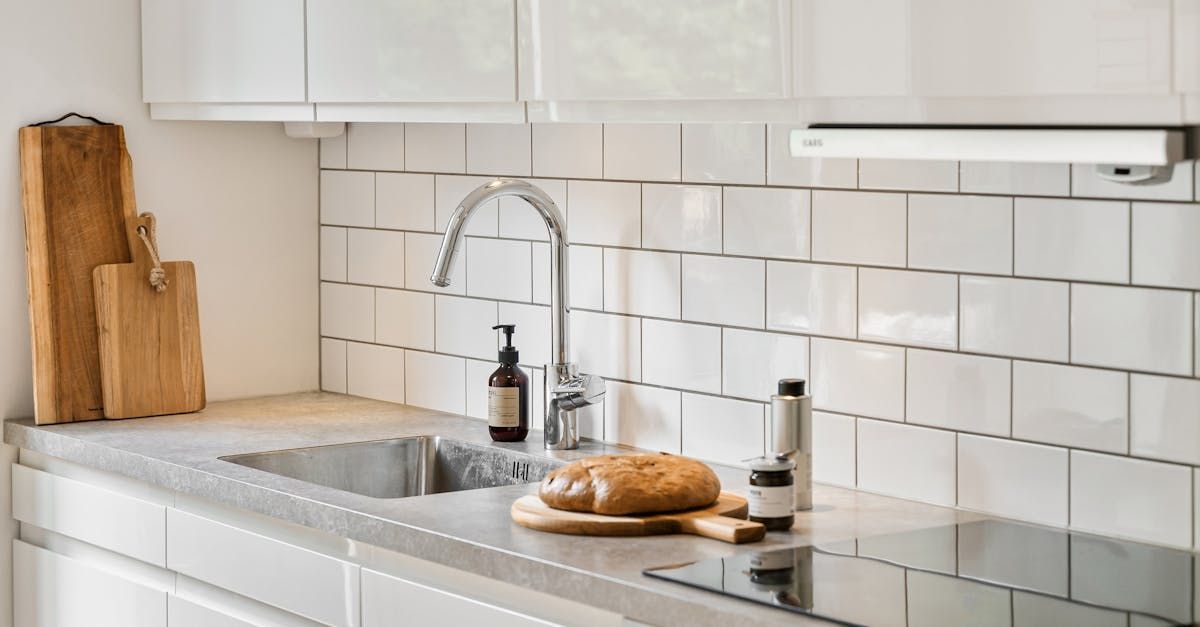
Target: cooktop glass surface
(979, 573)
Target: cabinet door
(411, 51)
(982, 48)
(52, 590)
(222, 51)
(664, 49)
(388, 600)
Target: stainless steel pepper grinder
(791, 431)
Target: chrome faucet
(566, 389)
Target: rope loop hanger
(158, 276)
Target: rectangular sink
(402, 467)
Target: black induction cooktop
(979, 573)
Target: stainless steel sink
(402, 467)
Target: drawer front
(390, 601)
(184, 613)
(52, 590)
(107, 519)
(286, 576)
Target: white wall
(238, 199)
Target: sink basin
(402, 467)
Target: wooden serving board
(77, 205)
(723, 520)
(150, 359)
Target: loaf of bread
(631, 484)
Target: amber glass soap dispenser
(508, 394)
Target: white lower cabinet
(53, 590)
(184, 613)
(388, 600)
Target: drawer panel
(107, 519)
(52, 590)
(390, 600)
(184, 613)
(286, 576)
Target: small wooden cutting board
(150, 361)
(723, 520)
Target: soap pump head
(508, 354)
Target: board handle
(732, 530)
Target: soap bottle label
(504, 407)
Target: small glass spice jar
(771, 496)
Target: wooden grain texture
(75, 216)
(150, 358)
(723, 520)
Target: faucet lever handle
(580, 391)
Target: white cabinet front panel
(660, 49)
(411, 50)
(982, 48)
(184, 613)
(223, 51)
(51, 590)
(390, 601)
(295, 579)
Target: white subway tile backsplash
(784, 169)
(1014, 317)
(859, 227)
(1196, 335)
(812, 298)
(859, 379)
(375, 146)
(682, 217)
(435, 381)
(906, 461)
(449, 192)
(960, 392)
(1102, 336)
(607, 345)
(960, 233)
(724, 290)
(913, 308)
(643, 416)
(568, 150)
(586, 272)
(642, 152)
(434, 148)
(375, 372)
(1072, 406)
(333, 365)
(753, 362)
(724, 153)
(1072, 239)
(722, 430)
(500, 269)
(477, 375)
(642, 282)
(348, 198)
(1164, 418)
(1013, 479)
(606, 214)
(766, 222)
(420, 253)
(333, 152)
(404, 201)
(1134, 498)
(463, 326)
(498, 149)
(333, 253)
(1027, 179)
(1085, 182)
(926, 176)
(404, 319)
(1165, 252)
(683, 356)
(833, 444)
(532, 337)
(348, 312)
(519, 220)
(375, 257)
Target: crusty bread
(631, 484)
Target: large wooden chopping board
(76, 207)
(723, 520)
(150, 360)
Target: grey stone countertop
(181, 453)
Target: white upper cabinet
(982, 48)
(378, 51)
(573, 50)
(223, 51)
